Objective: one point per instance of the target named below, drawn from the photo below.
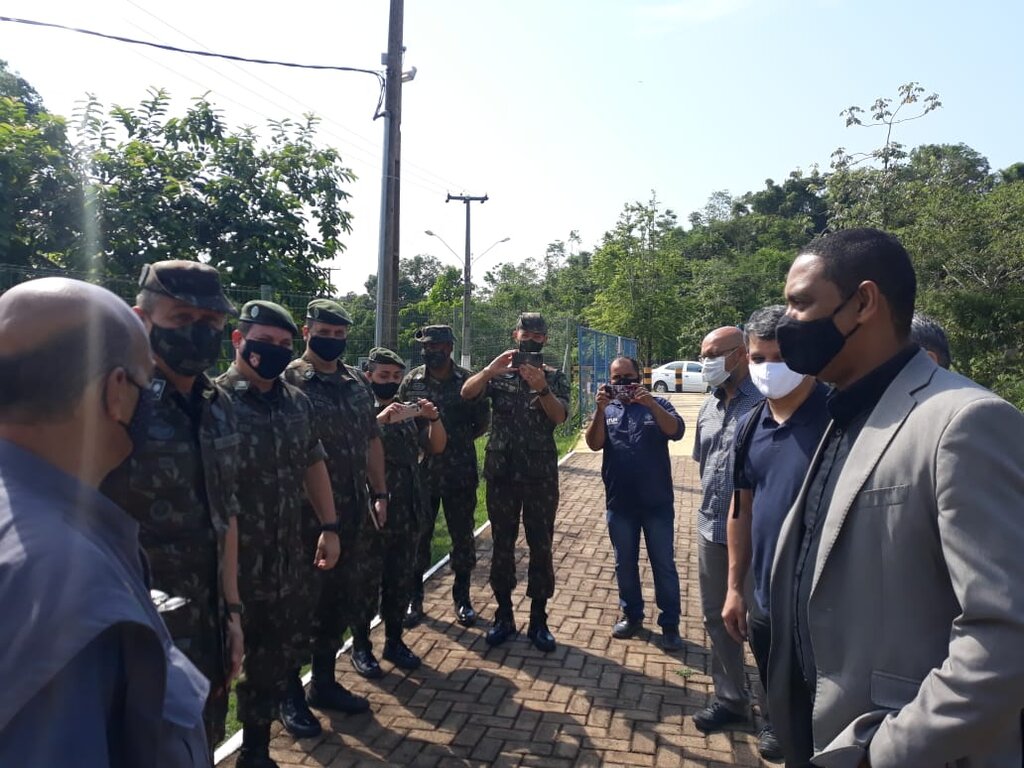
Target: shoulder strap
(743, 440)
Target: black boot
(464, 612)
(326, 693)
(255, 752)
(294, 712)
(399, 654)
(538, 632)
(504, 622)
(414, 615)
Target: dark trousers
(459, 507)
(536, 502)
(759, 626)
(657, 526)
(399, 542)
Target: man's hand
(533, 376)
(380, 512)
(428, 410)
(501, 364)
(236, 648)
(734, 614)
(603, 398)
(328, 549)
(391, 413)
(643, 397)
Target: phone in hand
(536, 359)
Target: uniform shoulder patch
(157, 387)
(241, 386)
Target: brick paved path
(595, 701)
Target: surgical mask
(384, 391)
(327, 348)
(774, 380)
(188, 350)
(271, 358)
(529, 345)
(714, 371)
(435, 358)
(808, 346)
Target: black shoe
(626, 628)
(398, 653)
(335, 697)
(502, 630)
(414, 615)
(255, 752)
(541, 638)
(464, 613)
(768, 744)
(670, 639)
(249, 758)
(297, 719)
(716, 718)
(366, 664)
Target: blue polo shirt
(774, 470)
(635, 467)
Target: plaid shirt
(713, 448)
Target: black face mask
(435, 358)
(384, 391)
(327, 348)
(138, 426)
(808, 346)
(188, 350)
(273, 359)
(529, 345)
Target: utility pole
(386, 325)
(467, 286)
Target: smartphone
(407, 411)
(373, 516)
(622, 391)
(536, 359)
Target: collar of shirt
(745, 388)
(846, 405)
(808, 408)
(242, 385)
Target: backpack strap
(743, 441)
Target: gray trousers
(727, 671)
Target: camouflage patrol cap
(188, 281)
(533, 322)
(435, 334)
(327, 311)
(385, 356)
(260, 312)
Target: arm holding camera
(596, 432)
(477, 383)
(538, 382)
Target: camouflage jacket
(403, 443)
(181, 486)
(522, 443)
(464, 421)
(346, 422)
(279, 443)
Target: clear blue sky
(561, 110)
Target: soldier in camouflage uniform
(347, 422)
(283, 463)
(450, 478)
(180, 486)
(521, 469)
(407, 430)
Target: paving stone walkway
(595, 701)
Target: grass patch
(686, 673)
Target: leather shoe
(297, 719)
(768, 744)
(335, 697)
(248, 758)
(716, 718)
(626, 628)
(414, 615)
(365, 663)
(399, 654)
(502, 630)
(541, 638)
(670, 639)
(464, 613)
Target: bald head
(57, 336)
(720, 340)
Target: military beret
(260, 312)
(435, 334)
(385, 356)
(188, 281)
(533, 322)
(327, 311)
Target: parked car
(663, 378)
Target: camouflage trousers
(459, 508)
(398, 572)
(537, 501)
(276, 645)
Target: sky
(561, 111)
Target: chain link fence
(596, 352)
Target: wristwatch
(234, 608)
(334, 527)
(381, 496)
(545, 391)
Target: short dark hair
(763, 322)
(636, 365)
(852, 256)
(927, 333)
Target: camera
(621, 391)
(536, 359)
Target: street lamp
(434, 234)
(497, 242)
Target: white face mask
(714, 372)
(774, 380)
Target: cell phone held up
(407, 411)
(536, 359)
(622, 392)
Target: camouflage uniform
(521, 469)
(279, 443)
(346, 419)
(181, 489)
(449, 478)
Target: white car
(663, 378)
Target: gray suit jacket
(916, 612)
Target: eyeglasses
(704, 358)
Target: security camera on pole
(467, 285)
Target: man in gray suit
(897, 594)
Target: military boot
(464, 612)
(537, 632)
(414, 615)
(255, 752)
(326, 693)
(504, 623)
(294, 712)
